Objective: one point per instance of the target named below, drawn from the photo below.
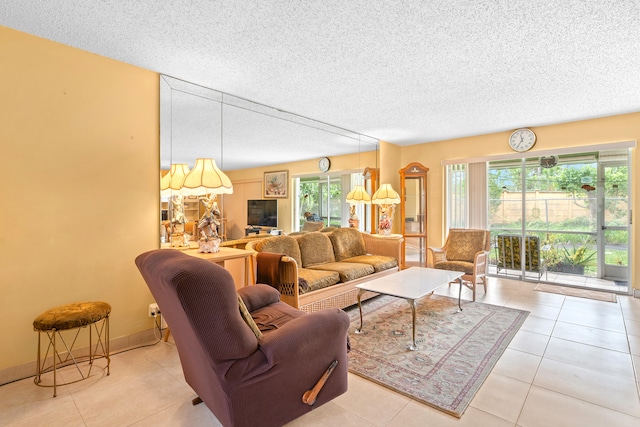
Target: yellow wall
(575, 134)
(79, 135)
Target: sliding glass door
(561, 218)
(322, 198)
(613, 235)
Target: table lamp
(386, 198)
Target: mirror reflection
(250, 141)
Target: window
(575, 205)
(456, 196)
(322, 197)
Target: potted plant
(576, 257)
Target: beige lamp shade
(206, 178)
(172, 182)
(385, 195)
(358, 195)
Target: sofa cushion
(312, 225)
(281, 245)
(315, 249)
(462, 245)
(347, 243)
(463, 266)
(328, 229)
(317, 279)
(347, 270)
(378, 262)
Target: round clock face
(324, 164)
(548, 162)
(522, 140)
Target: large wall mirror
(245, 138)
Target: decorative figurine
(208, 225)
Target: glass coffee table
(410, 284)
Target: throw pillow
(244, 312)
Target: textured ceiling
(402, 71)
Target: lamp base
(384, 231)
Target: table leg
(412, 303)
(460, 294)
(248, 271)
(360, 292)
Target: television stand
(252, 230)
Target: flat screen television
(262, 213)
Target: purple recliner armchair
(245, 380)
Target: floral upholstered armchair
(509, 257)
(466, 250)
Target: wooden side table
(227, 254)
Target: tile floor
(575, 362)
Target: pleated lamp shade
(358, 195)
(385, 195)
(171, 183)
(206, 178)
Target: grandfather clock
(413, 213)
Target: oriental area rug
(456, 351)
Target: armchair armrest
(480, 262)
(437, 254)
(258, 296)
(307, 336)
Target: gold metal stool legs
(67, 356)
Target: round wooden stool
(79, 315)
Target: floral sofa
(319, 270)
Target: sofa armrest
(258, 296)
(289, 289)
(384, 246)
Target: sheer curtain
(478, 200)
(467, 200)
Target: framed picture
(276, 184)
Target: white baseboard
(26, 370)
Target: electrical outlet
(154, 310)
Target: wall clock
(522, 140)
(548, 162)
(324, 164)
